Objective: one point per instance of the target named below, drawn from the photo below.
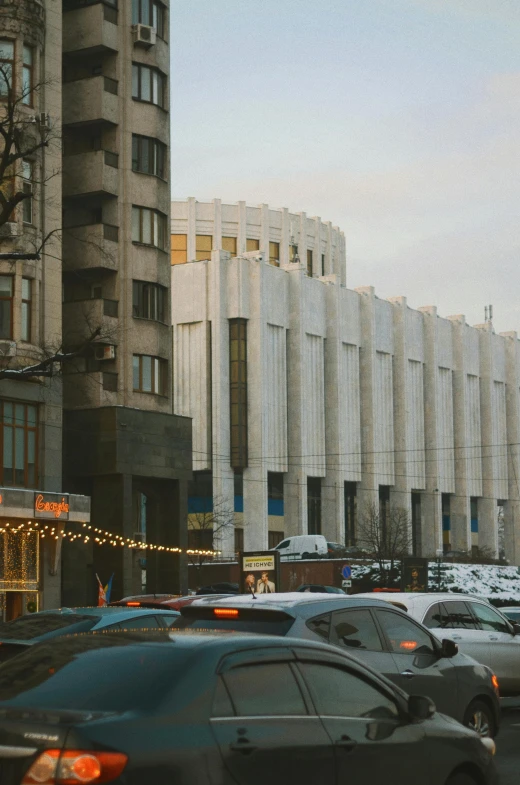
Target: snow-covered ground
(486, 580)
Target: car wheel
(479, 718)
(461, 778)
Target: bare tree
(216, 517)
(384, 531)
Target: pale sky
(397, 120)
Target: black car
(376, 633)
(136, 709)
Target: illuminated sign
(51, 505)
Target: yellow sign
(258, 563)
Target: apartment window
(26, 309)
(27, 187)
(148, 84)
(148, 227)
(309, 263)
(149, 374)
(252, 245)
(6, 67)
(323, 264)
(274, 254)
(149, 301)
(151, 13)
(6, 306)
(229, 244)
(148, 155)
(350, 498)
(293, 253)
(19, 425)
(179, 248)
(27, 76)
(314, 505)
(203, 246)
(238, 392)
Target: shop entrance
(19, 568)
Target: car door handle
(407, 674)
(243, 745)
(346, 742)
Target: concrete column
(264, 230)
(328, 253)
(487, 505)
(302, 242)
(368, 490)
(191, 229)
(316, 256)
(223, 476)
(512, 505)
(242, 228)
(284, 240)
(217, 223)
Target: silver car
(478, 629)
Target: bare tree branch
(385, 533)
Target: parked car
(25, 631)
(512, 612)
(318, 588)
(303, 546)
(378, 635)
(478, 628)
(133, 708)
(174, 604)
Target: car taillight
(494, 682)
(70, 767)
(225, 613)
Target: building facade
(311, 402)
(122, 445)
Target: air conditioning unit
(9, 229)
(143, 35)
(105, 353)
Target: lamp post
(439, 553)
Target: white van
(304, 546)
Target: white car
(478, 629)
(302, 546)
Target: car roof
(290, 601)
(421, 599)
(106, 610)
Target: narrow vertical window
(6, 67)
(179, 248)
(229, 244)
(6, 306)
(27, 186)
(309, 263)
(238, 392)
(18, 431)
(274, 254)
(27, 76)
(203, 246)
(252, 245)
(293, 253)
(26, 309)
(323, 264)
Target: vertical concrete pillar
(512, 505)
(487, 505)
(264, 230)
(191, 229)
(242, 228)
(217, 224)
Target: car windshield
(26, 628)
(107, 672)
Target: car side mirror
(448, 648)
(420, 707)
(516, 627)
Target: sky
(397, 120)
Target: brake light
(75, 767)
(494, 682)
(225, 613)
(408, 645)
(133, 604)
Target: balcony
(92, 100)
(92, 174)
(90, 30)
(91, 247)
(81, 318)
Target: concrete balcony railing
(90, 30)
(91, 247)
(93, 100)
(93, 174)
(81, 318)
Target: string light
(102, 537)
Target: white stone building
(310, 401)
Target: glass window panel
(8, 447)
(6, 285)
(19, 454)
(135, 81)
(265, 690)
(26, 86)
(252, 245)
(8, 412)
(6, 50)
(179, 242)
(489, 619)
(26, 322)
(136, 224)
(155, 17)
(26, 288)
(459, 616)
(147, 227)
(146, 18)
(135, 153)
(155, 238)
(338, 693)
(229, 244)
(144, 165)
(135, 12)
(146, 88)
(155, 386)
(355, 630)
(136, 372)
(19, 414)
(26, 170)
(27, 55)
(403, 635)
(146, 368)
(155, 87)
(31, 447)
(5, 318)
(31, 415)
(204, 242)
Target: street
(508, 759)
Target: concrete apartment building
(100, 290)
(311, 401)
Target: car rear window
(106, 672)
(260, 621)
(26, 628)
